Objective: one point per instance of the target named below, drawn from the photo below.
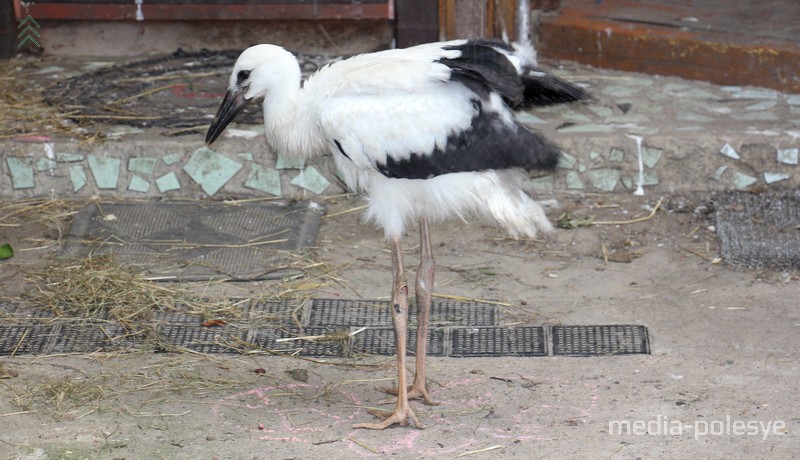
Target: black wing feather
(489, 143)
(542, 89)
(483, 69)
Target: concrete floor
(720, 382)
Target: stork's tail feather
(513, 208)
(493, 196)
(518, 213)
(542, 154)
(487, 65)
(542, 89)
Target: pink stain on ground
(522, 425)
(31, 138)
(278, 421)
(519, 425)
(404, 443)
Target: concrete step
(667, 133)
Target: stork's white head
(259, 71)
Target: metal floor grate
(25, 339)
(759, 230)
(600, 340)
(498, 341)
(203, 339)
(381, 341)
(191, 241)
(88, 338)
(286, 328)
(376, 313)
(327, 342)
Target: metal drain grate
(369, 313)
(273, 314)
(204, 339)
(31, 313)
(381, 341)
(25, 339)
(63, 338)
(88, 338)
(177, 318)
(196, 241)
(330, 342)
(600, 340)
(497, 341)
(267, 325)
(453, 313)
(334, 312)
(759, 230)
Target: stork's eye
(242, 76)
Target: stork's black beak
(233, 103)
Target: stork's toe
(402, 416)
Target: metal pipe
(524, 22)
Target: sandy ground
(720, 382)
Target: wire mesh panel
(89, 338)
(381, 341)
(457, 313)
(264, 314)
(204, 339)
(376, 313)
(600, 340)
(336, 312)
(25, 339)
(759, 229)
(498, 341)
(310, 341)
(327, 328)
(190, 241)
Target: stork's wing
(433, 109)
(493, 65)
(418, 135)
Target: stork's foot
(420, 392)
(401, 416)
(415, 391)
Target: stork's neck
(290, 127)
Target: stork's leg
(399, 310)
(424, 290)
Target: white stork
(424, 133)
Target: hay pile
(25, 112)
